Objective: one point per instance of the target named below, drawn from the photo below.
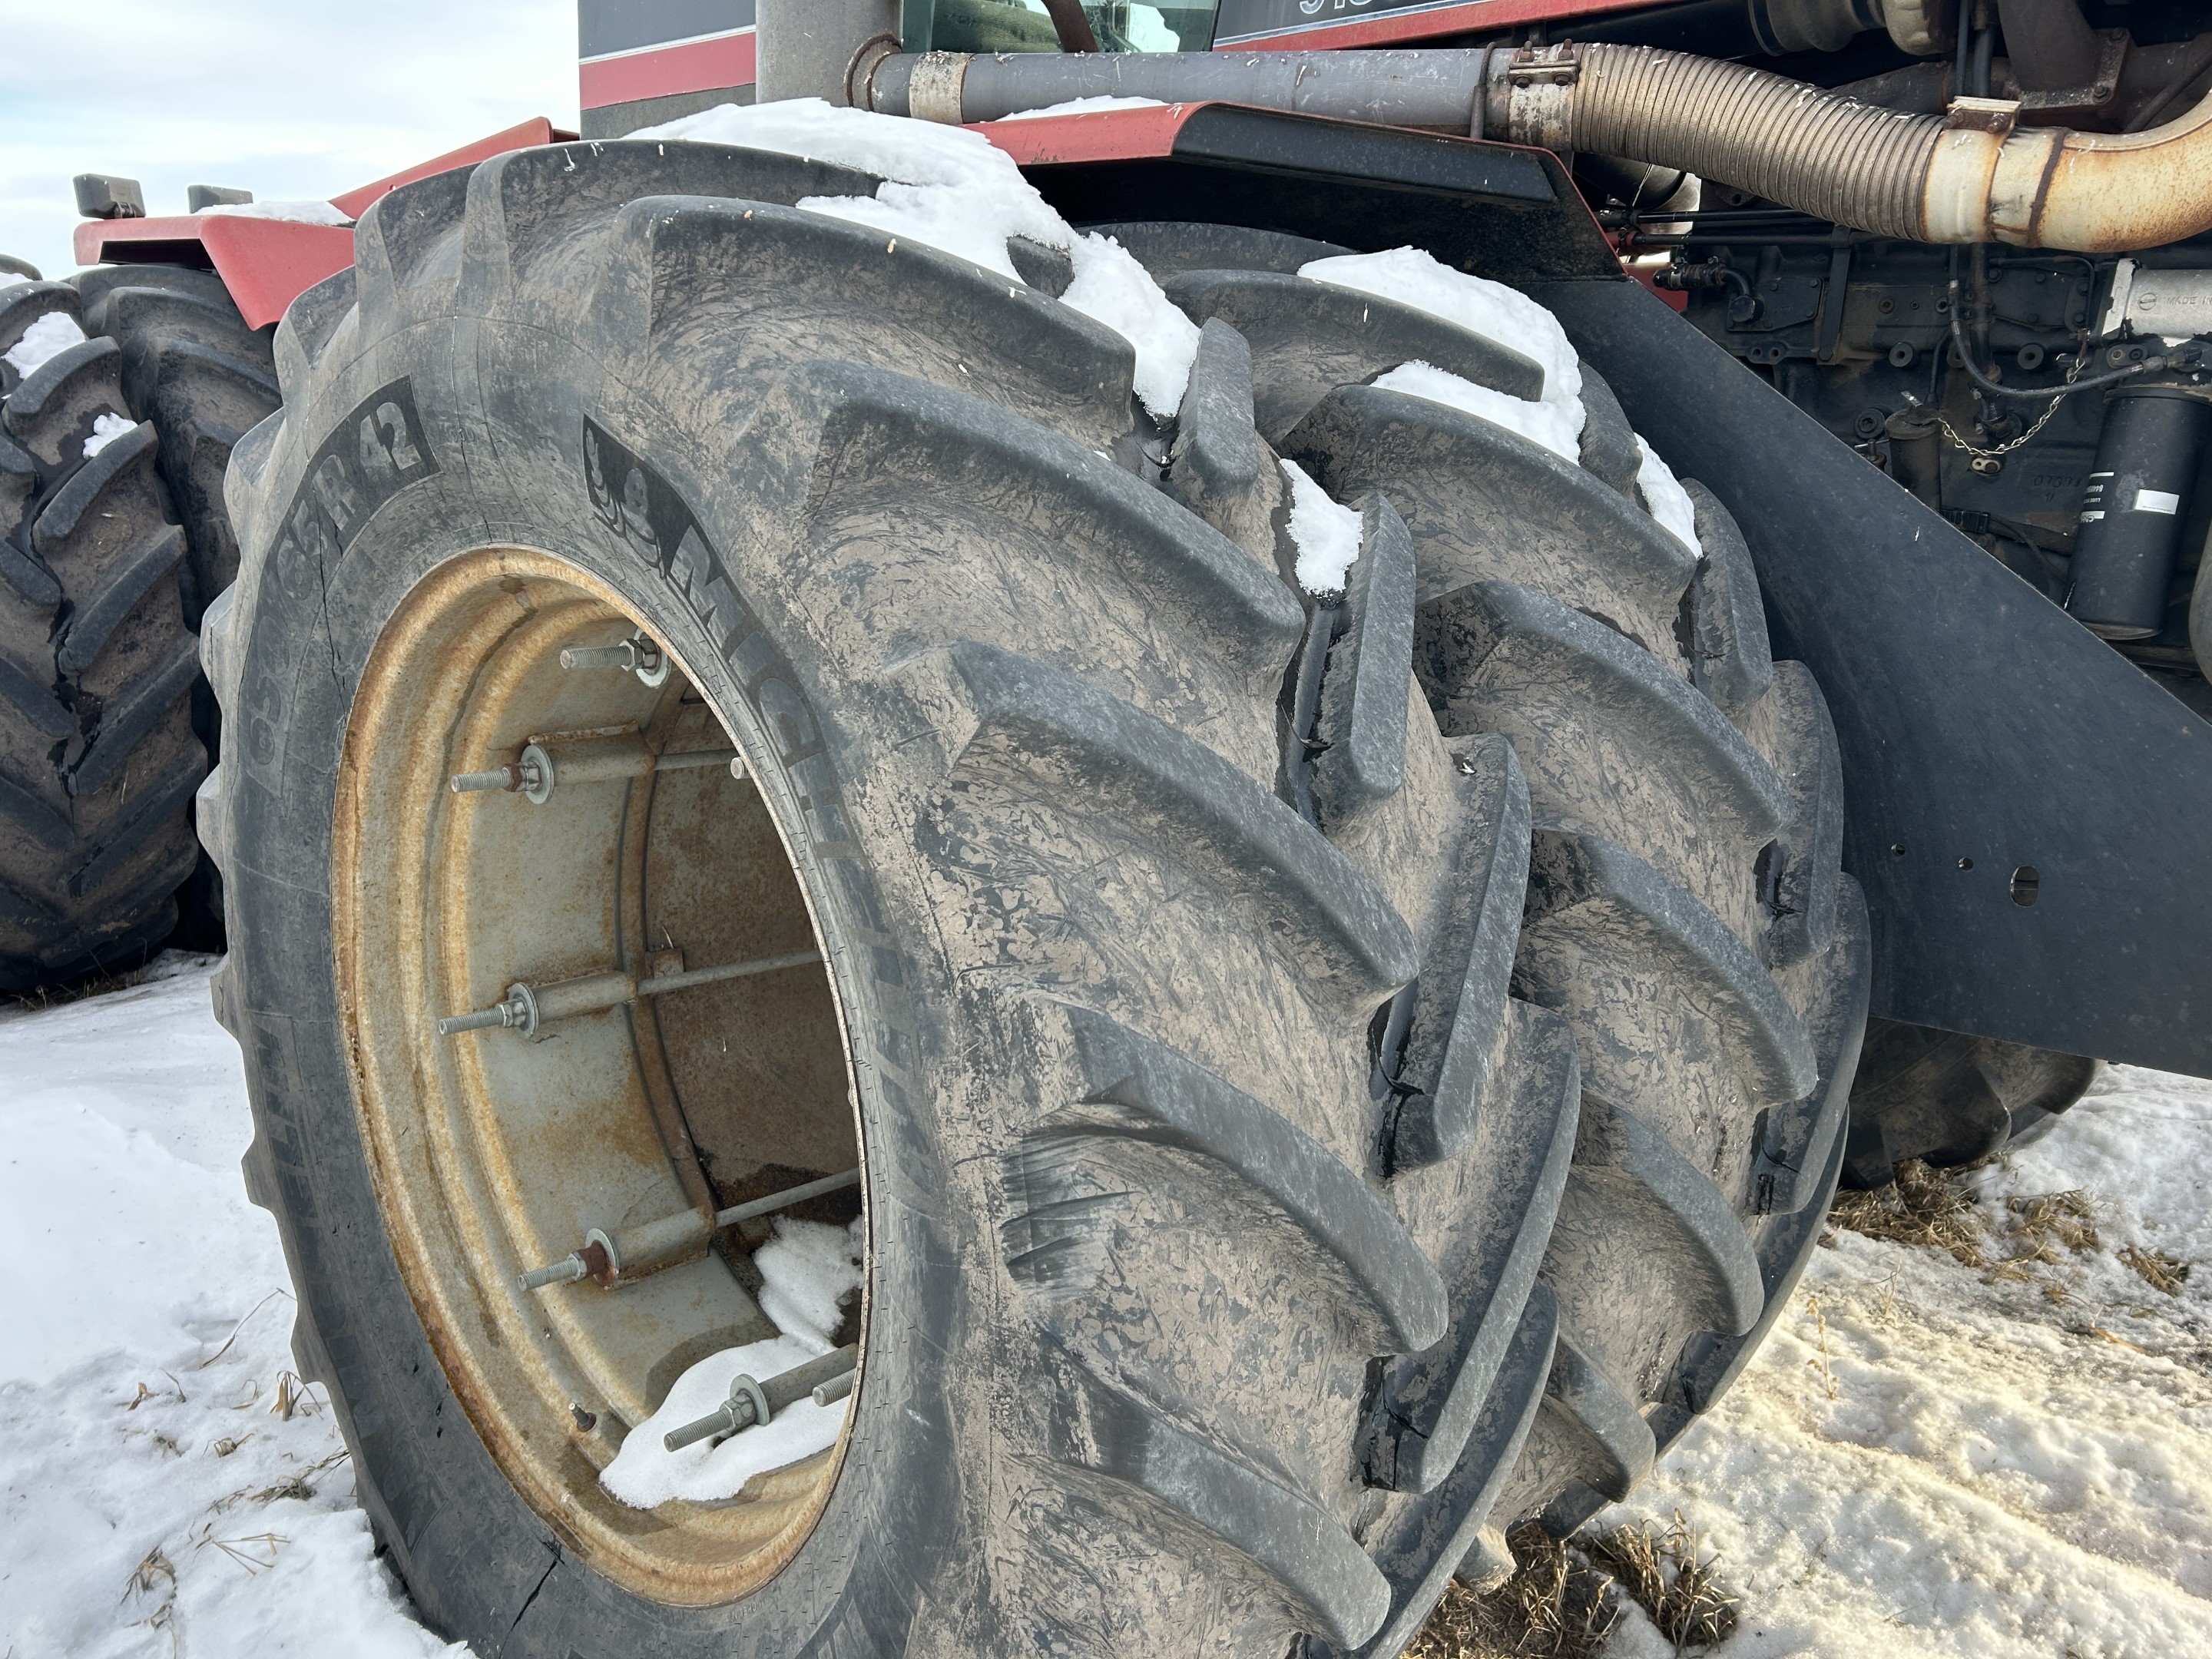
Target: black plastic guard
(2031, 816)
(1509, 212)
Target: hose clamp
(860, 73)
(1997, 116)
(939, 85)
(1540, 84)
(1554, 66)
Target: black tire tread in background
(1950, 1099)
(203, 379)
(98, 754)
(1237, 1218)
(193, 367)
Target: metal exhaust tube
(1968, 175)
(1389, 88)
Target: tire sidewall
(510, 469)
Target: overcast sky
(289, 100)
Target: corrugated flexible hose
(1848, 162)
(1970, 176)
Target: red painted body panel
(722, 60)
(266, 264)
(522, 135)
(1112, 135)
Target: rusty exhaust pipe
(1968, 175)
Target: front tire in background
(99, 756)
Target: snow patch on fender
(1092, 106)
(945, 186)
(290, 213)
(955, 191)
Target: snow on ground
(151, 1500)
(1927, 1460)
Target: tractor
(1082, 829)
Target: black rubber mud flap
(2016, 789)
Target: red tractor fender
(266, 264)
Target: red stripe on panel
(723, 60)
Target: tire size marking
(368, 458)
(657, 526)
(647, 515)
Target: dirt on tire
(1336, 1080)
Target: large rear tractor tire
(1330, 1081)
(99, 756)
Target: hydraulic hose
(1968, 175)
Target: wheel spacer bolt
(753, 1401)
(638, 654)
(517, 1011)
(566, 1271)
(745, 1406)
(623, 656)
(469, 783)
(605, 1255)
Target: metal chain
(2081, 359)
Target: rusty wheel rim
(491, 1153)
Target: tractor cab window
(1025, 26)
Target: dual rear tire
(1331, 1082)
